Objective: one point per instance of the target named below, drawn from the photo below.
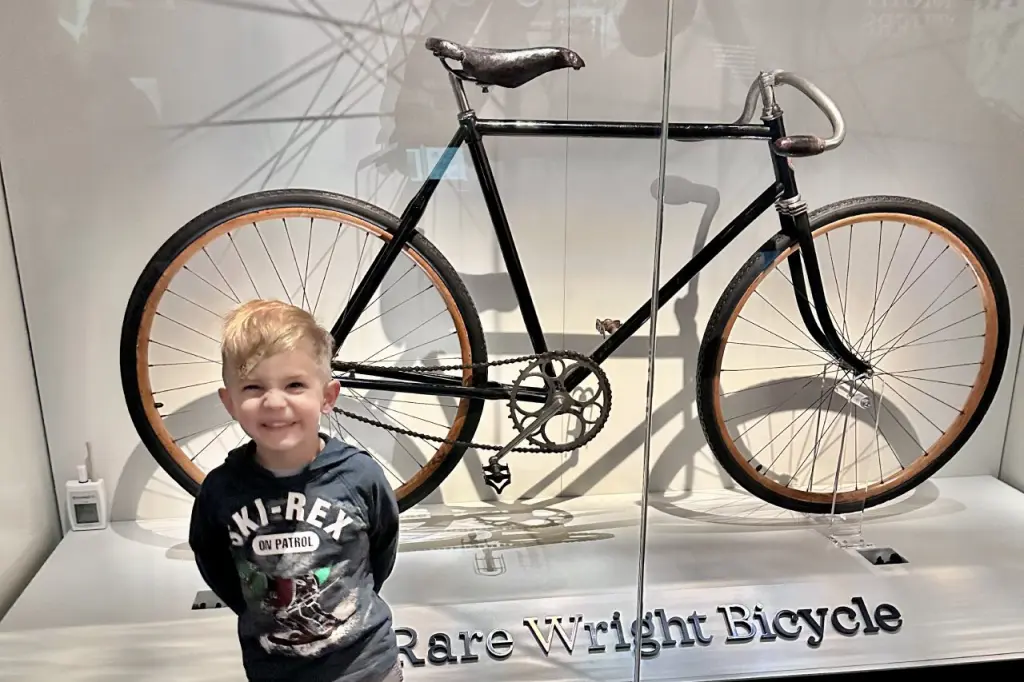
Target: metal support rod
(666, 85)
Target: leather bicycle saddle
(504, 68)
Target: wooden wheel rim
(943, 442)
(156, 295)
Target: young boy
(296, 531)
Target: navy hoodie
(301, 558)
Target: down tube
(387, 255)
(674, 285)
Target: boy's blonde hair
(260, 328)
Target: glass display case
(847, 355)
(683, 330)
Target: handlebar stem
(763, 88)
(770, 108)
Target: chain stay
(421, 369)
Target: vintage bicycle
(844, 397)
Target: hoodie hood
(243, 458)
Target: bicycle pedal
(497, 475)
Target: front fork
(821, 329)
(793, 218)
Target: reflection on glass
(736, 507)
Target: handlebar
(795, 145)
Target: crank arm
(496, 474)
(543, 418)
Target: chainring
(542, 358)
(586, 425)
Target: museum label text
(731, 623)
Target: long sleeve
(211, 547)
(383, 532)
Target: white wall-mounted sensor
(87, 501)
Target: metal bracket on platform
(207, 600)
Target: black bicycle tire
(177, 243)
(760, 260)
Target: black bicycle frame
(471, 132)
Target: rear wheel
(311, 249)
(917, 295)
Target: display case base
(735, 589)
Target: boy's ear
(331, 390)
(225, 398)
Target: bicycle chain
(351, 366)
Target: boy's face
(280, 402)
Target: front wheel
(311, 249)
(917, 295)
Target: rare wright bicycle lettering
(659, 631)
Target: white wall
(117, 130)
(29, 527)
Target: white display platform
(116, 604)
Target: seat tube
(503, 233)
(459, 90)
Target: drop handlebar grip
(800, 145)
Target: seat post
(460, 93)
